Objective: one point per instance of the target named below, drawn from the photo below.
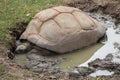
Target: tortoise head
(22, 46)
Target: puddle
(78, 57)
(71, 59)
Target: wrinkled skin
(25, 47)
(22, 47)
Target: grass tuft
(2, 69)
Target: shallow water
(71, 59)
(78, 57)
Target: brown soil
(106, 6)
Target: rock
(109, 57)
(84, 71)
(104, 64)
(74, 75)
(53, 77)
(63, 29)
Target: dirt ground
(12, 71)
(106, 6)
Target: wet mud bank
(42, 63)
(15, 33)
(106, 7)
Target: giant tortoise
(62, 29)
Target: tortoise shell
(63, 29)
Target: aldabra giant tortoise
(62, 29)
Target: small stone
(109, 57)
(28, 14)
(74, 75)
(52, 77)
(83, 71)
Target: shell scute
(84, 20)
(33, 38)
(67, 22)
(63, 29)
(46, 14)
(51, 31)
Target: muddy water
(71, 59)
(78, 57)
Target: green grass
(2, 69)
(118, 0)
(13, 11)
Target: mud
(105, 64)
(110, 8)
(37, 62)
(15, 33)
